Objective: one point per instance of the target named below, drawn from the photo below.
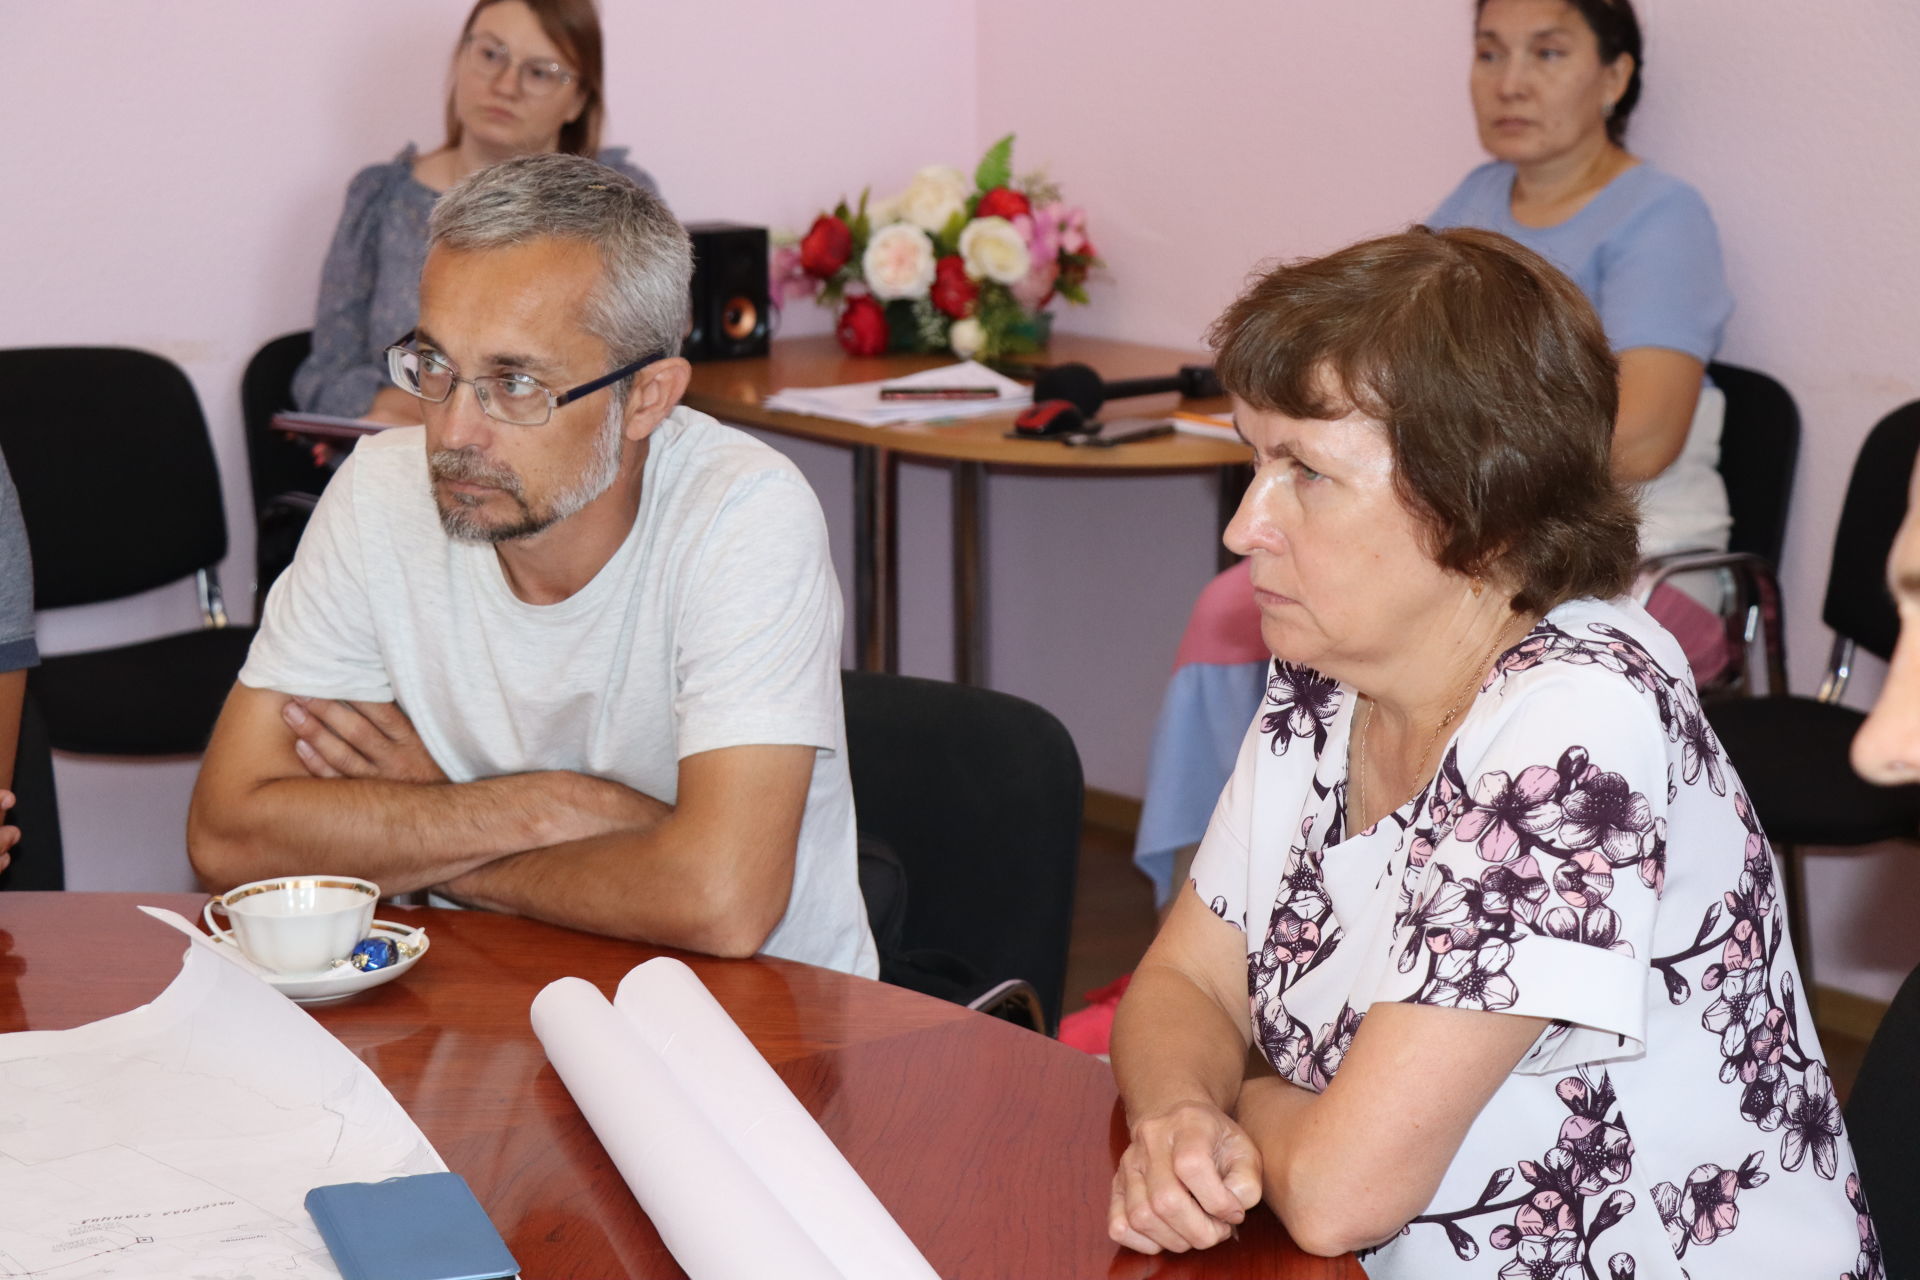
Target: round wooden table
(734, 390)
(992, 1146)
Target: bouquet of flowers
(947, 264)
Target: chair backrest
(1858, 605)
(276, 464)
(1884, 1126)
(38, 860)
(979, 795)
(1759, 447)
(118, 486)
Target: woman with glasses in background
(526, 79)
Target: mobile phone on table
(1123, 431)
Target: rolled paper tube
(728, 1080)
(712, 1210)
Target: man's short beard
(461, 519)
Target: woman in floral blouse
(1483, 891)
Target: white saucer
(343, 979)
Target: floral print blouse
(1584, 854)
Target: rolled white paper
(726, 1078)
(713, 1212)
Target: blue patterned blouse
(370, 285)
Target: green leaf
(996, 167)
(858, 224)
(1074, 293)
(948, 241)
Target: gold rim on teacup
(297, 882)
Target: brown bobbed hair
(1492, 377)
(574, 28)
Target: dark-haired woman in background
(1553, 84)
(1483, 891)
(526, 79)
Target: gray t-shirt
(370, 285)
(17, 648)
(716, 624)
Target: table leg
(876, 543)
(1234, 480)
(969, 583)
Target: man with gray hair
(569, 649)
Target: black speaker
(730, 298)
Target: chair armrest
(1759, 589)
(1014, 1000)
(1655, 570)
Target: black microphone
(1086, 390)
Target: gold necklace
(1358, 783)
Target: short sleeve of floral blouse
(1220, 866)
(1532, 875)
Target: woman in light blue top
(1553, 85)
(526, 79)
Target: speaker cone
(739, 318)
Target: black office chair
(120, 494)
(1792, 752)
(1884, 1126)
(286, 480)
(978, 796)
(1759, 447)
(38, 860)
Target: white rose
(936, 193)
(898, 262)
(966, 337)
(994, 249)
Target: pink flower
(1545, 1213)
(1035, 290)
(1042, 233)
(787, 279)
(1503, 807)
(1744, 947)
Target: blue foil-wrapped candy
(374, 953)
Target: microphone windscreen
(1075, 383)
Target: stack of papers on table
(179, 1140)
(860, 402)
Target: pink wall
(1208, 137)
(172, 174)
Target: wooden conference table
(992, 1146)
(734, 391)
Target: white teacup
(297, 924)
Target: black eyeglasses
(512, 398)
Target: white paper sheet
(860, 402)
(708, 1136)
(180, 1139)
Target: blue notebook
(425, 1227)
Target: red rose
(863, 328)
(1002, 202)
(827, 246)
(952, 292)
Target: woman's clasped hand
(1186, 1180)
